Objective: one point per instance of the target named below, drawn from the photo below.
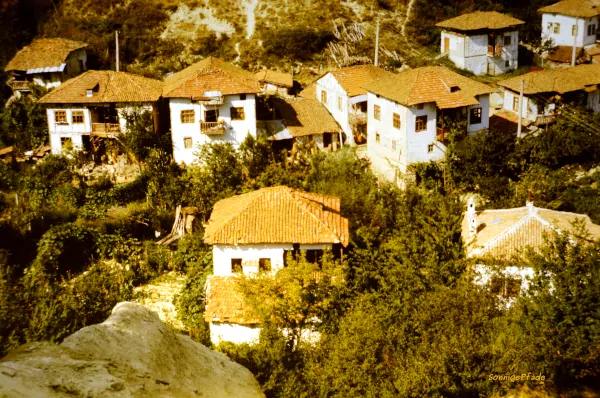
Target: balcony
(212, 128)
(20, 85)
(441, 134)
(357, 119)
(106, 129)
(494, 51)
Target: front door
(211, 115)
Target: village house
(47, 63)
(95, 104)
(499, 238)
(210, 101)
(410, 114)
(482, 42)
(302, 120)
(342, 93)
(272, 82)
(544, 92)
(571, 22)
(254, 233)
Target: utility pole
(520, 109)
(117, 49)
(575, 29)
(377, 43)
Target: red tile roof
(480, 20)
(303, 117)
(353, 78)
(574, 8)
(43, 53)
(277, 78)
(560, 81)
(226, 303)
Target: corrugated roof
(303, 117)
(353, 78)
(225, 302)
(277, 215)
(110, 87)
(480, 20)
(430, 84)
(43, 53)
(505, 233)
(210, 75)
(574, 8)
(277, 78)
(556, 80)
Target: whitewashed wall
(456, 52)
(334, 90)
(528, 111)
(484, 104)
(565, 36)
(234, 333)
(418, 142)
(483, 276)
(68, 130)
(593, 101)
(235, 134)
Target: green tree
(23, 124)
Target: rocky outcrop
(131, 354)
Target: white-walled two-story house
(96, 103)
(254, 233)
(47, 63)
(409, 114)
(482, 42)
(571, 22)
(210, 100)
(342, 93)
(544, 92)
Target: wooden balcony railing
(20, 85)
(212, 128)
(358, 118)
(105, 129)
(494, 51)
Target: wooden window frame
(186, 141)
(393, 145)
(476, 113)
(396, 122)
(340, 107)
(323, 96)
(236, 266)
(574, 30)
(507, 63)
(77, 114)
(430, 148)
(242, 97)
(420, 123)
(377, 137)
(187, 116)
(507, 40)
(556, 28)
(237, 113)
(515, 104)
(60, 117)
(377, 112)
(264, 265)
(591, 29)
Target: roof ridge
(64, 85)
(322, 222)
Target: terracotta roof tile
(563, 54)
(277, 215)
(277, 78)
(210, 74)
(353, 78)
(110, 87)
(225, 302)
(309, 91)
(556, 80)
(430, 84)
(303, 117)
(480, 20)
(43, 53)
(574, 8)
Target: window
(475, 116)
(429, 148)
(264, 265)
(377, 137)
(363, 106)
(324, 97)
(516, 103)
(507, 64)
(242, 97)
(550, 26)
(211, 116)
(60, 117)
(187, 142)
(80, 65)
(573, 30)
(421, 123)
(377, 112)
(420, 106)
(396, 119)
(236, 265)
(591, 30)
(237, 113)
(188, 116)
(557, 28)
(66, 143)
(77, 117)
(507, 40)
(505, 286)
(393, 145)
(340, 103)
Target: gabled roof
(574, 8)
(225, 302)
(480, 20)
(210, 75)
(277, 215)
(353, 78)
(108, 86)
(556, 80)
(309, 91)
(304, 116)
(507, 232)
(44, 55)
(277, 78)
(430, 84)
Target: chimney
(529, 203)
(472, 217)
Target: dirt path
(249, 6)
(408, 12)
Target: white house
(254, 233)
(342, 93)
(410, 112)
(571, 22)
(272, 82)
(96, 103)
(47, 63)
(498, 240)
(482, 42)
(544, 92)
(210, 101)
